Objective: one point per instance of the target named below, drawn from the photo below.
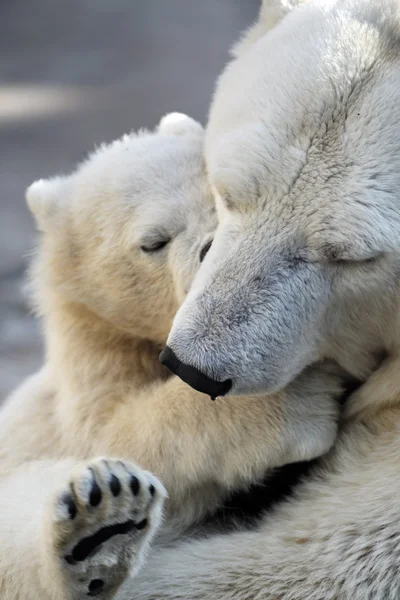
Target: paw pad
(95, 493)
(115, 486)
(135, 485)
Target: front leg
(204, 450)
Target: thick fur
(339, 539)
(303, 149)
(121, 242)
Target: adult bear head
(303, 153)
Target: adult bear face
(302, 148)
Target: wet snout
(194, 377)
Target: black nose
(193, 377)
(204, 250)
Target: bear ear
(45, 200)
(179, 124)
(273, 11)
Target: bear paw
(102, 522)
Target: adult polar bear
(304, 157)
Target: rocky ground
(73, 74)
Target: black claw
(115, 485)
(135, 485)
(152, 489)
(95, 587)
(142, 524)
(69, 501)
(95, 493)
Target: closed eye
(357, 263)
(368, 260)
(345, 255)
(154, 246)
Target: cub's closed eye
(154, 246)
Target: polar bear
(302, 148)
(121, 240)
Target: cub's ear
(46, 200)
(179, 124)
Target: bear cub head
(125, 233)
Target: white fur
(107, 301)
(303, 152)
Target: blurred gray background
(74, 73)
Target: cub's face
(125, 234)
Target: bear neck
(85, 352)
